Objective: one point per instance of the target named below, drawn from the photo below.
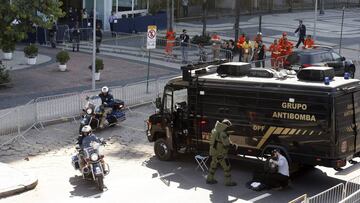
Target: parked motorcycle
(94, 110)
(93, 166)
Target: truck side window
(168, 103)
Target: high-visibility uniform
(285, 50)
(246, 51)
(309, 43)
(275, 53)
(215, 39)
(240, 41)
(170, 42)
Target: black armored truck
(313, 118)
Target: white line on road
(259, 197)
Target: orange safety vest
(241, 40)
(308, 44)
(275, 50)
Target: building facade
(123, 8)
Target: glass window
(124, 5)
(336, 56)
(326, 57)
(114, 5)
(140, 4)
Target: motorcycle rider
(219, 147)
(107, 101)
(84, 141)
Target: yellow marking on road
(266, 136)
(278, 131)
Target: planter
(62, 68)
(8, 55)
(97, 76)
(31, 61)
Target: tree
(237, 19)
(204, 16)
(18, 17)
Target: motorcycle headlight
(89, 111)
(120, 106)
(94, 157)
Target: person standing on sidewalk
(239, 43)
(170, 43)
(98, 38)
(275, 53)
(302, 33)
(185, 39)
(216, 46)
(247, 50)
(76, 37)
(112, 19)
(185, 6)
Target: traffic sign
(151, 37)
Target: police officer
(219, 147)
(107, 100)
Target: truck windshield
(171, 98)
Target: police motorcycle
(93, 111)
(90, 162)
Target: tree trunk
(237, 20)
(204, 17)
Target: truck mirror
(158, 102)
(343, 58)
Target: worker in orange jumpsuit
(284, 35)
(286, 48)
(239, 43)
(275, 53)
(170, 43)
(309, 42)
(216, 45)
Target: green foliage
(99, 65)
(62, 57)
(205, 40)
(19, 17)
(4, 74)
(31, 51)
(8, 46)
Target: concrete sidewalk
(15, 181)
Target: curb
(18, 189)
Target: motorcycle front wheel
(100, 183)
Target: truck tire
(162, 150)
(352, 71)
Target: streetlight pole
(322, 12)
(315, 19)
(94, 48)
(342, 25)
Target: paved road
(137, 176)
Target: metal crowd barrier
(17, 121)
(57, 107)
(331, 195)
(353, 198)
(352, 186)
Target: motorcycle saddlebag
(75, 162)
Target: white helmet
(86, 129)
(105, 89)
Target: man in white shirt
(280, 178)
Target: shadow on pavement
(182, 172)
(84, 188)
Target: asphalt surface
(137, 175)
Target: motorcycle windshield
(93, 148)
